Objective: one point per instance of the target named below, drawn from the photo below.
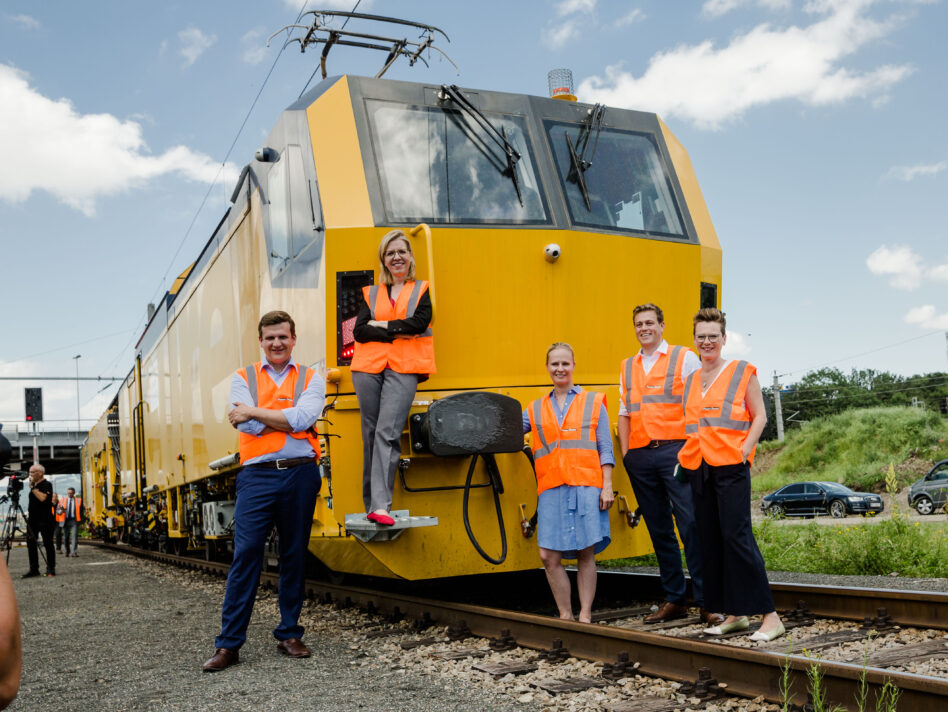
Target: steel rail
(747, 672)
(923, 609)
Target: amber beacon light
(561, 84)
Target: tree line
(829, 391)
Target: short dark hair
(272, 318)
(648, 306)
(710, 314)
(71, 489)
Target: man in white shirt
(651, 432)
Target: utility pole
(778, 411)
(78, 422)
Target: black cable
(500, 516)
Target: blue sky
(816, 130)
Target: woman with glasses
(724, 417)
(394, 351)
(572, 451)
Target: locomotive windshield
(439, 166)
(626, 185)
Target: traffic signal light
(34, 404)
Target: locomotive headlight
(552, 252)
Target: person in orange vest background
(60, 515)
(573, 457)
(275, 404)
(724, 417)
(394, 352)
(651, 432)
(72, 516)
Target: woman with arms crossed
(724, 417)
(572, 450)
(394, 351)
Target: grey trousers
(384, 401)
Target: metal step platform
(364, 530)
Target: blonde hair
(385, 277)
(560, 345)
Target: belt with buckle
(659, 443)
(284, 464)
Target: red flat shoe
(380, 519)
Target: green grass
(854, 447)
(911, 548)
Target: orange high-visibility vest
(64, 503)
(654, 401)
(60, 512)
(414, 354)
(717, 422)
(567, 454)
(266, 394)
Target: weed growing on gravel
(814, 674)
(918, 549)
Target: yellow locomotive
(534, 220)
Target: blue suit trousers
(268, 497)
(659, 494)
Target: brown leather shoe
(222, 659)
(667, 612)
(711, 619)
(294, 648)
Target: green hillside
(855, 448)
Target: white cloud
(555, 37)
(907, 173)
(709, 86)
(736, 346)
(193, 44)
(255, 47)
(569, 7)
(636, 15)
(79, 158)
(939, 273)
(30, 23)
(716, 8)
(900, 263)
(927, 317)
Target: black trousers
(44, 528)
(735, 580)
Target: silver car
(930, 493)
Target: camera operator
(41, 521)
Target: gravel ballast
(112, 633)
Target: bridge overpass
(57, 447)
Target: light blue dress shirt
(603, 436)
(301, 416)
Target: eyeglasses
(710, 338)
(397, 253)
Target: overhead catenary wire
(187, 233)
(864, 353)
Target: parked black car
(931, 492)
(807, 499)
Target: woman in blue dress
(572, 450)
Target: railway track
(706, 668)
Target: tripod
(11, 524)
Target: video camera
(15, 483)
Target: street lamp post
(78, 422)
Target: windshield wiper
(579, 164)
(498, 136)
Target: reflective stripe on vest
(566, 454)
(253, 446)
(654, 416)
(414, 354)
(716, 439)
